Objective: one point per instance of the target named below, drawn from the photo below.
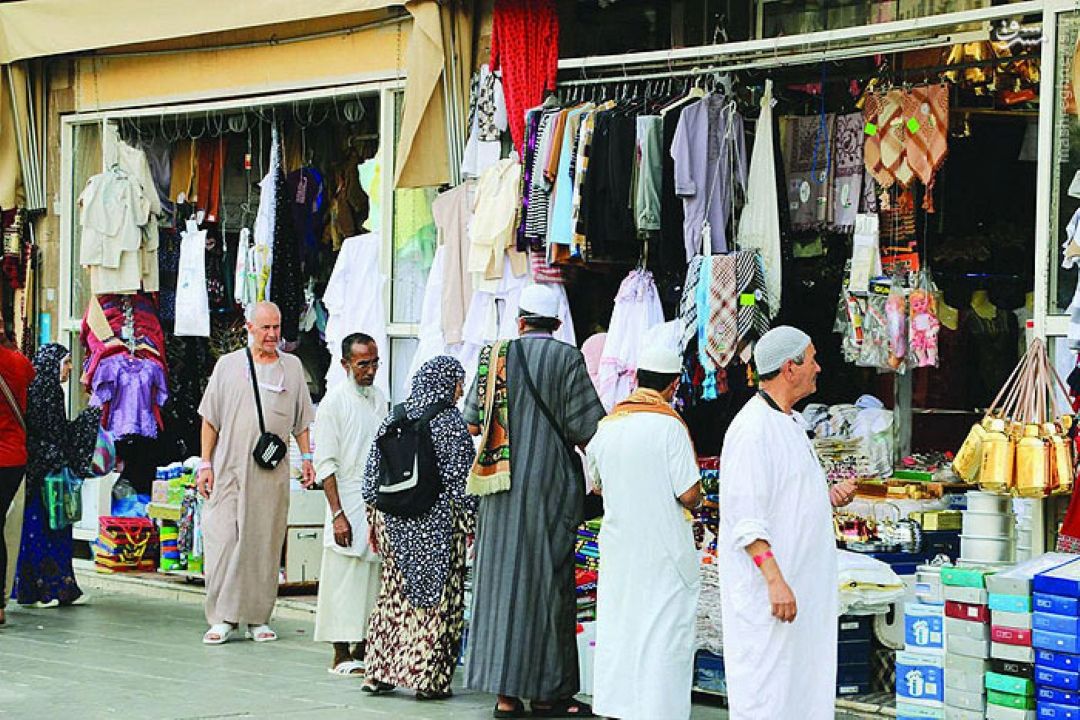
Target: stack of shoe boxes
(1010, 685)
(967, 641)
(920, 689)
(1056, 638)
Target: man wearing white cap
(643, 459)
(532, 402)
(777, 554)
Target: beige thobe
(244, 520)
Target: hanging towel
(848, 149)
(759, 225)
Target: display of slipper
(568, 708)
(517, 712)
(260, 633)
(347, 667)
(218, 634)
(374, 687)
(423, 695)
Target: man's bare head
(265, 328)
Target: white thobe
(773, 488)
(647, 591)
(345, 428)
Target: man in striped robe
(522, 637)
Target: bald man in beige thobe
(244, 517)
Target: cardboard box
(996, 712)
(952, 713)
(1057, 660)
(1021, 621)
(1057, 696)
(909, 711)
(1010, 684)
(961, 645)
(1045, 640)
(924, 627)
(966, 664)
(964, 699)
(966, 628)
(1010, 636)
(1010, 603)
(965, 576)
(1011, 667)
(1051, 711)
(967, 595)
(919, 678)
(964, 681)
(1063, 624)
(1063, 580)
(965, 611)
(1020, 702)
(1016, 653)
(1061, 679)
(1056, 604)
(1018, 580)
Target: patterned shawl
(491, 472)
(420, 546)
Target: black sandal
(376, 687)
(517, 712)
(424, 695)
(568, 708)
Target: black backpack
(409, 482)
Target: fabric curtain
(22, 136)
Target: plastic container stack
(1056, 638)
(988, 537)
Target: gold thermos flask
(968, 459)
(1032, 464)
(996, 471)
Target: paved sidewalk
(129, 656)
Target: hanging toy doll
(924, 329)
(896, 318)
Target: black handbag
(593, 506)
(269, 450)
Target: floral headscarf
(420, 546)
(52, 442)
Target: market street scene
(633, 359)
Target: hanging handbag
(62, 496)
(270, 449)
(103, 461)
(593, 504)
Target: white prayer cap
(539, 301)
(660, 359)
(777, 346)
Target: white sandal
(218, 634)
(347, 667)
(260, 633)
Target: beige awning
(40, 28)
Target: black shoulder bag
(270, 450)
(593, 504)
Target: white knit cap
(539, 301)
(777, 346)
(660, 359)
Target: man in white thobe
(777, 554)
(345, 427)
(643, 460)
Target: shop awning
(40, 28)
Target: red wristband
(759, 559)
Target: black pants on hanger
(10, 480)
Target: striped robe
(522, 636)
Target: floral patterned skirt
(417, 647)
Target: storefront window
(402, 350)
(1065, 168)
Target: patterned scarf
(644, 400)
(927, 141)
(490, 473)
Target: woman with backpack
(415, 630)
